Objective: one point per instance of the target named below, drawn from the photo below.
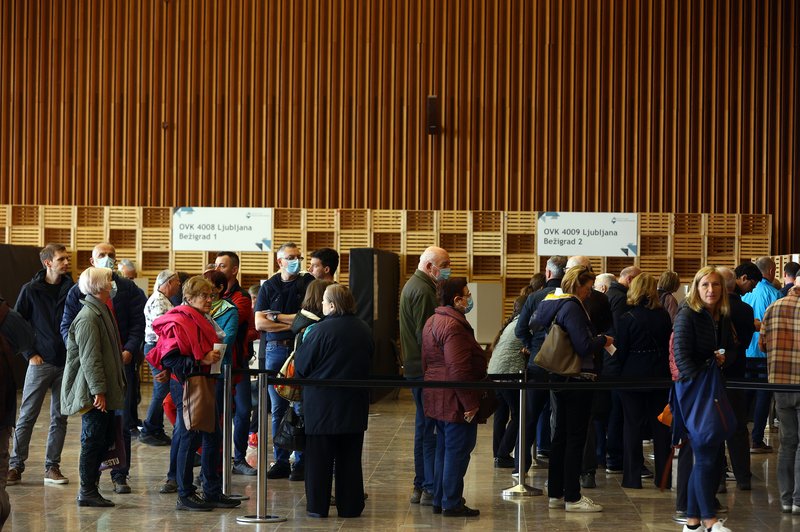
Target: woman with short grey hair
(94, 382)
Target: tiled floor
(388, 466)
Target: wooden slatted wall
(593, 105)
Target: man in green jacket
(417, 303)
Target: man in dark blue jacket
(41, 303)
(127, 305)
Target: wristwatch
(274, 317)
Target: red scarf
(183, 328)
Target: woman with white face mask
(451, 353)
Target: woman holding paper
(186, 338)
(573, 406)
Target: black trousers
(338, 454)
(739, 443)
(572, 420)
(506, 423)
(97, 433)
(639, 409)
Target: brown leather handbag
(557, 354)
(200, 402)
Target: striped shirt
(780, 331)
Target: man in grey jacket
(417, 303)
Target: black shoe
(646, 473)
(437, 509)
(222, 501)
(504, 462)
(298, 473)
(243, 468)
(588, 481)
(193, 503)
(278, 470)
(461, 511)
(153, 439)
(169, 486)
(93, 499)
(121, 485)
(744, 486)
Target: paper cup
(216, 368)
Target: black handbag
(291, 432)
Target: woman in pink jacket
(450, 353)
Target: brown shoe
(54, 476)
(14, 476)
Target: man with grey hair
(158, 304)
(538, 401)
(762, 296)
(603, 282)
(417, 303)
(127, 306)
(279, 299)
(127, 269)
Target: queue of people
(630, 327)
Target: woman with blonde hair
(702, 331)
(643, 352)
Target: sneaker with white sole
(719, 526)
(53, 476)
(556, 503)
(585, 505)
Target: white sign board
(596, 234)
(221, 228)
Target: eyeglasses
(292, 257)
(205, 296)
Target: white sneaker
(556, 503)
(719, 527)
(585, 505)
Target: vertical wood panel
(682, 106)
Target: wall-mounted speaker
(432, 126)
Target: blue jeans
(454, 443)
(703, 483)
(188, 442)
(241, 417)
(38, 380)
(787, 405)
(424, 443)
(276, 355)
(154, 420)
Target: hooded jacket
(36, 304)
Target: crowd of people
(88, 338)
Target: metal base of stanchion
(238, 497)
(245, 519)
(521, 490)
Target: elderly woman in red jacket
(450, 353)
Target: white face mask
(113, 289)
(104, 262)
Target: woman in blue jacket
(702, 329)
(573, 407)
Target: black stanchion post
(261, 495)
(521, 489)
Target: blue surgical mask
(113, 289)
(444, 274)
(469, 305)
(292, 266)
(105, 262)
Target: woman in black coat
(338, 347)
(643, 352)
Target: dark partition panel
(375, 283)
(19, 265)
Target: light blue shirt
(762, 296)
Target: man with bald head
(417, 303)
(127, 306)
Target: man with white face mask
(127, 306)
(279, 299)
(417, 303)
